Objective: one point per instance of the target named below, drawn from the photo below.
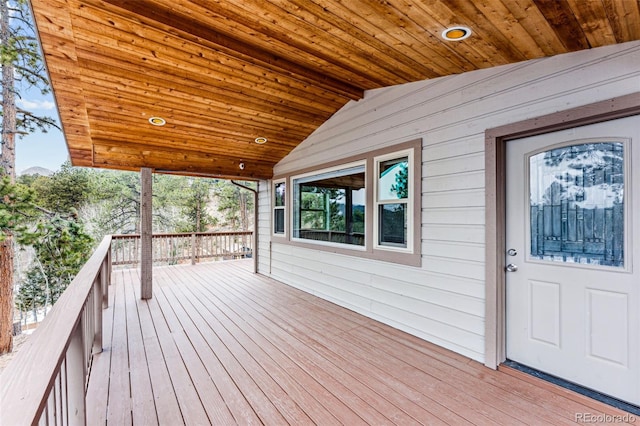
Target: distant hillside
(37, 171)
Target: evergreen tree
(60, 244)
(66, 191)
(197, 197)
(61, 247)
(401, 187)
(117, 197)
(32, 295)
(22, 68)
(16, 208)
(235, 204)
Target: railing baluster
(97, 311)
(56, 399)
(49, 408)
(62, 411)
(76, 378)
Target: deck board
(166, 401)
(142, 395)
(220, 345)
(119, 409)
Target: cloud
(37, 104)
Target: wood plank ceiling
(222, 73)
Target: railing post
(146, 234)
(75, 369)
(193, 248)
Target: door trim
(495, 201)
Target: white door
(573, 279)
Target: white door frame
(495, 202)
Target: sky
(46, 150)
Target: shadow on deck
(220, 345)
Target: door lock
(511, 267)
(512, 252)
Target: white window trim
(274, 207)
(409, 201)
(291, 224)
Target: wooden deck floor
(219, 345)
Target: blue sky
(40, 149)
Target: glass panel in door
(577, 204)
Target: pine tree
(22, 68)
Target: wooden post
(146, 234)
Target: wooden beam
(123, 156)
(146, 234)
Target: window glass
(577, 204)
(330, 206)
(392, 224)
(278, 221)
(279, 194)
(393, 179)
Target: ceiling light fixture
(456, 33)
(260, 140)
(157, 121)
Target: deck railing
(172, 249)
(46, 382)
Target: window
(364, 206)
(329, 206)
(393, 201)
(279, 198)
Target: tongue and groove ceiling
(223, 73)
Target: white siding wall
(443, 301)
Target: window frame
(410, 256)
(284, 208)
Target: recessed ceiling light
(157, 121)
(456, 33)
(260, 140)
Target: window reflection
(331, 207)
(577, 204)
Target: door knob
(511, 267)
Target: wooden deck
(220, 345)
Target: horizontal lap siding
(443, 301)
